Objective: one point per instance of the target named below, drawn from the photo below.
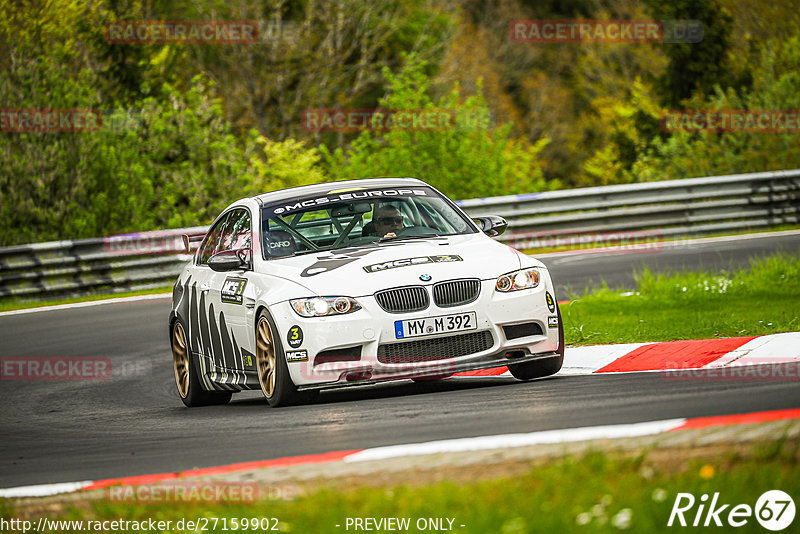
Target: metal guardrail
(610, 214)
(656, 210)
(106, 265)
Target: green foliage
(167, 160)
(636, 149)
(776, 86)
(694, 68)
(309, 55)
(626, 123)
(284, 164)
(172, 162)
(577, 114)
(465, 161)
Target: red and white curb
(674, 355)
(503, 441)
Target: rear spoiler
(188, 240)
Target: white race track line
(86, 304)
(505, 441)
(43, 490)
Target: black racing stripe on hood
(345, 256)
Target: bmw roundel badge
(425, 277)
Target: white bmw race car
(350, 283)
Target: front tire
(542, 368)
(273, 372)
(187, 373)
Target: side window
(231, 233)
(238, 235)
(212, 240)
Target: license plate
(435, 325)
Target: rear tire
(187, 373)
(542, 368)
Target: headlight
(321, 306)
(514, 281)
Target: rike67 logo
(774, 510)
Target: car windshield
(357, 217)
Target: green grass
(761, 299)
(596, 492)
(20, 304)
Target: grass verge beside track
(593, 492)
(761, 299)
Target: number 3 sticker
(295, 336)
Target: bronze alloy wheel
(265, 358)
(180, 359)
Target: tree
(695, 68)
(462, 161)
(776, 86)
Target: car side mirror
(491, 225)
(227, 260)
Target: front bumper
(364, 376)
(364, 331)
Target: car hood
(363, 270)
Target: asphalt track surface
(134, 422)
